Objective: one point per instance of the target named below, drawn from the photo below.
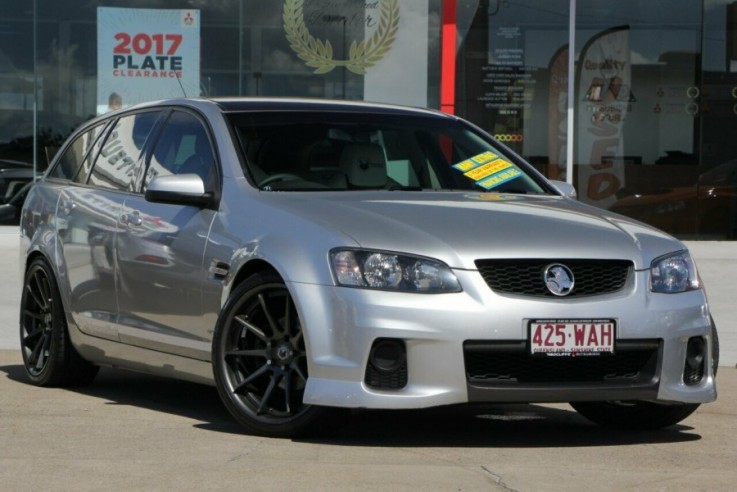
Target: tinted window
(182, 148)
(119, 158)
(71, 161)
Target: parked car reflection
(704, 210)
(10, 210)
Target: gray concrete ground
(136, 432)
(10, 287)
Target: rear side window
(78, 152)
(120, 157)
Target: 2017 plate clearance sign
(145, 54)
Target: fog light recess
(693, 370)
(387, 365)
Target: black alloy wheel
(259, 359)
(48, 355)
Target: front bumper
(341, 324)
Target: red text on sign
(143, 43)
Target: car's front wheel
(259, 359)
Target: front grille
(526, 277)
(509, 363)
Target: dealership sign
(146, 54)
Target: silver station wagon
(305, 255)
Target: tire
(637, 415)
(48, 355)
(260, 362)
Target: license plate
(577, 337)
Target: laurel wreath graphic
(318, 54)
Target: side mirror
(566, 189)
(179, 189)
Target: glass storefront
(633, 102)
(653, 101)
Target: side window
(117, 162)
(83, 173)
(182, 148)
(70, 162)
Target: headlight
(391, 271)
(674, 273)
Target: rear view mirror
(566, 189)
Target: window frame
(106, 124)
(140, 159)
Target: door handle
(132, 219)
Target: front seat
(364, 165)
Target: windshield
(306, 151)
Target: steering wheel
(278, 177)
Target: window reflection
(118, 162)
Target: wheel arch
(262, 266)
(32, 257)
(256, 265)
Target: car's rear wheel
(641, 414)
(259, 359)
(48, 355)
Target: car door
(87, 216)
(161, 247)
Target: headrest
(364, 165)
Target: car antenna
(181, 86)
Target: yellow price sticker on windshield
(485, 157)
(497, 179)
(488, 169)
(466, 165)
(475, 161)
